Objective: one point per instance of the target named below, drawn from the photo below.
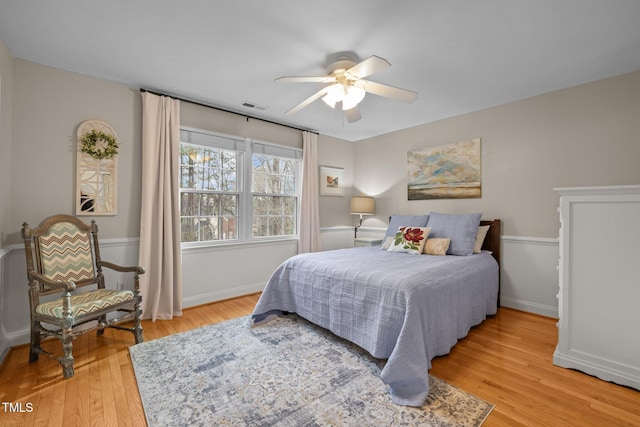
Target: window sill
(234, 245)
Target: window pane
(229, 181)
(186, 176)
(209, 205)
(289, 185)
(259, 182)
(228, 228)
(274, 216)
(260, 224)
(188, 232)
(275, 226)
(207, 229)
(188, 204)
(289, 225)
(229, 205)
(273, 175)
(289, 207)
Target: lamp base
(355, 229)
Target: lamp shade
(363, 205)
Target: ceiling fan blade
(372, 64)
(353, 115)
(389, 91)
(306, 79)
(319, 94)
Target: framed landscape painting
(449, 171)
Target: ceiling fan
(345, 86)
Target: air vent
(254, 106)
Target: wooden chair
(63, 256)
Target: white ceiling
(459, 55)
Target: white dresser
(599, 297)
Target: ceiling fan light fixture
(354, 94)
(350, 94)
(344, 86)
(335, 94)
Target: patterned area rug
(286, 372)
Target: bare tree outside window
(208, 193)
(275, 203)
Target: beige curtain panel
(309, 233)
(161, 286)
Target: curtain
(161, 285)
(309, 235)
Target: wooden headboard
(492, 243)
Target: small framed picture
(331, 181)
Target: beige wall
(588, 135)
(48, 106)
(6, 96)
(201, 117)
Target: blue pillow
(398, 221)
(461, 229)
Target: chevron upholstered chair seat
(63, 255)
(86, 303)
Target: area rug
(286, 372)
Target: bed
(402, 307)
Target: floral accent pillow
(437, 246)
(410, 240)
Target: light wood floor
(506, 361)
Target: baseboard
(531, 307)
(605, 369)
(4, 350)
(18, 338)
(220, 295)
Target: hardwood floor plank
(507, 360)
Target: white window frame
(246, 148)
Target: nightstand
(367, 241)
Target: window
(274, 196)
(234, 189)
(208, 193)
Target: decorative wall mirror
(97, 167)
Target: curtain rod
(228, 111)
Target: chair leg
(67, 360)
(137, 330)
(35, 342)
(103, 320)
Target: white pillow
(482, 233)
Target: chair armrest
(63, 286)
(134, 269)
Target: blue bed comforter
(401, 307)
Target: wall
(6, 99)
(583, 136)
